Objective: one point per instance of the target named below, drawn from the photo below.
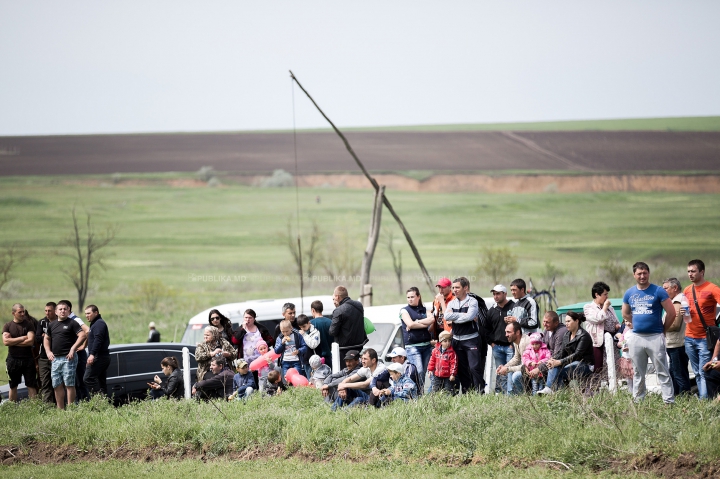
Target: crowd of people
(65, 360)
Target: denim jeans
(679, 370)
(420, 357)
(516, 380)
(575, 370)
(698, 354)
(354, 397)
(502, 355)
(292, 364)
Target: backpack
(482, 312)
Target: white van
(269, 314)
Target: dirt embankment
(520, 183)
(684, 466)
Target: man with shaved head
(348, 323)
(19, 337)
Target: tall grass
(578, 431)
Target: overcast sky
(158, 66)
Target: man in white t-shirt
(355, 390)
(675, 339)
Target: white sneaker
(545, 390)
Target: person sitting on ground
(514, 367)
(212, 346)
(243, 381)
(174, 386)
(400, 355)
(220, 385)
(311, 336)
(319, 372)
(443, 364)
(712, 373)
(330, 385)
(575, 358)
(275, 385)
(291, 346)
(402, 387)
(355, 390)
(535, 354)
(552, 337)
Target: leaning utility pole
(375, 184)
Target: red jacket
(443, 364)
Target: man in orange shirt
(444, 296)
(708, 295)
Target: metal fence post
(186, 371)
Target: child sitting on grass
(402, 387)
(535, 354)
(319, 371)
(275, 385)
(243, 381)
(443, 364)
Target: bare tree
(10, 258)
(85, 253)
(498, 263)
(396, 259)
(311, 256)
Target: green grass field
(217, 245)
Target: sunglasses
(214, 318)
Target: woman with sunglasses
(217, 319)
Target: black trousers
(471, 363)
(96, 375)
(81, 392)
(712, 381)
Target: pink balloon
(262, 361)
(299, 380)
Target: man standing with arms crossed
(62, 340)
(642, 307)
(707, 295)
(462, 312)
(19, 337)
(502, 349)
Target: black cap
(352, 354)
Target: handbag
(712, 332)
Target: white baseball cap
(397, 352)
(499, 288)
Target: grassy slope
(497, 431)
(175, 233)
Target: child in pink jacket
(536, 353)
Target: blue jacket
(299, 344)
(242, 382)
(404, 388)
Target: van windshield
(380, 337)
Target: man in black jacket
(98, 359)
(348, 324)
(220, 385)
(502, 350)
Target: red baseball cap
(443, 282)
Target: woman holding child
(247, 336)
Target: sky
(78, 67)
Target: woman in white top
(600, 317)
